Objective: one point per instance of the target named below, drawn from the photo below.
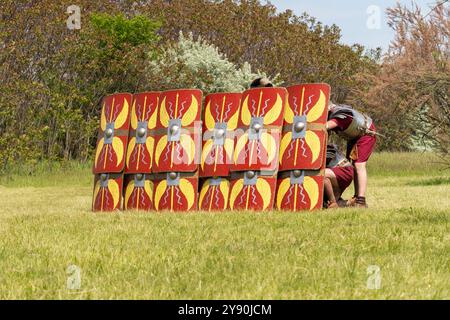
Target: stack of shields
(109, 159)
(255, 150)
(303, 148)
(257, 142)
(221, 114)
(178, 136)
(139, 160)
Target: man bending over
(360, 133)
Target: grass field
(46, 226)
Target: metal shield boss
(141, 140)
(107, 192)
(113, 134)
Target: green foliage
(135, 31)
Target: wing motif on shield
(261, 117)
(113, 134)
(138, 192)
(304, 133)
(214, 194)
(300, 190)
(176, 140)
(141, 142)
(252, 196)
(107, 192)
(179, 195)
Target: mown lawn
(46, 226)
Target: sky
(361, 21)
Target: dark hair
(261, 83)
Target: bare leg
(332, 190)
(329, 190)
(360, 179)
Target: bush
(193, 63)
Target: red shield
(107, 192)
(176, 192)
(257, 193)
(304, 132)
(138, 192)
(141, 142)
(300, 190)
(214, 194)
(220, 116)
(260, 122)
(178, 131)
(113, 134)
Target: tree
(52, 79)
(297, 48)
(409, 95)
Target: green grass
(46, 225)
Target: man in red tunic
(338, 176)
(360, 133)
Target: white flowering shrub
(193, 63)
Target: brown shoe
(360, 203)
(351, 202)
(342, 203)
(333, 205)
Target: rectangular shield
(107, 192)
(214, 194)
(176, 191)
(252, 190)
(303, 143)
(259, 129)
(113, 134)
(300, 190)
(141, 141)
(178, 132)
(138, 192)
(220, 120)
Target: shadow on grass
(429, 182)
